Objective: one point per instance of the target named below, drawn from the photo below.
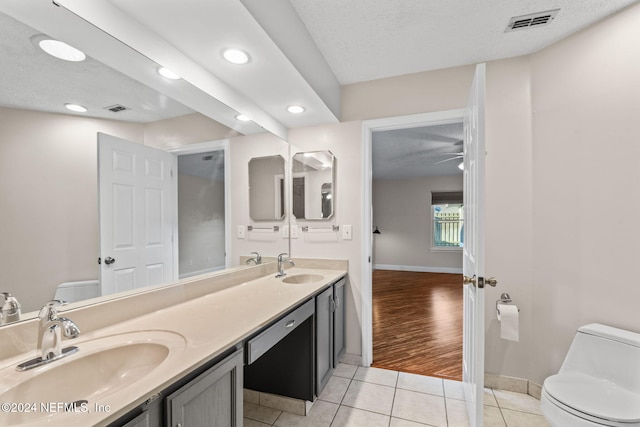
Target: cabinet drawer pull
(290, 323)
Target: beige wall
(48, 202)
(242, 150)
(586, 104)
(402, 210)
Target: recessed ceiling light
(62, 50)
(236, 56)
(165, 72)
(75, 107)
(295, 109)
(243, 118)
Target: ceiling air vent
(117, 108)
(532, 20)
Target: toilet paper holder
(504, 299)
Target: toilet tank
(605, 352)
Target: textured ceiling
(371, 39)
(417, 152)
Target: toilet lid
(594, 396)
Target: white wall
(402, 211)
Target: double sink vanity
(187, 353)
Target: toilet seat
(593, 399)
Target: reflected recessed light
(461, 166)
(243, 118)
(236, 56)
(62, 50)
(165, 72)
(295, 109)
(75, 107)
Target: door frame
(368, 127)
(204, 147)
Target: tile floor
(372, 397)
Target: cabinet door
(338, 321)
(212, 399)
(324, 338)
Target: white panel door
(473, 251)
(137, 204)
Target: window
(448, 220)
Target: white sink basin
(100, 368)
(303, 278)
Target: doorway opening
(415, 268)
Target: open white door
(473, 251)
(137, 204)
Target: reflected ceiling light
(75, 107)
(61, 50)
(243, 118)
(295, 109)
(236, 56)
(461, 166)
(165, 72)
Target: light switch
(294, 231)
(285, 232)
(241, 232)
(346, 232)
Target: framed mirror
(313, 185)
(266, 188)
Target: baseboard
(518, 385)
(418, 268)
(351, 359)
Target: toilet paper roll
(508, 317)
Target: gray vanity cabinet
(330, 344)
(212, 399)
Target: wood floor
(417, 323)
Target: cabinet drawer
(260, 344)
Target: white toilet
(599, 381)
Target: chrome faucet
(282, 258)
(257, 259)
(51, 328)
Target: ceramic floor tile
(377, 376)
(345, 370)
(419, 407)
(353, 417)
(453, 389)
(252, 423)
(492, 417)
(321, 415)
(260, 413)
(517, 401)
(457, 413)
(489, 398)
(420, 383)
(335, 389)
(370, 397)
(399, 422)
(523, 419)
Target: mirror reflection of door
(299, 197)
(327, 200)
(201, 213)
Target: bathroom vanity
(175, 363)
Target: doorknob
(469, 280)
(491, 281)
(108, 260)
(479, 282)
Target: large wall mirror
(266, 188)
(48, 182)
(313, 185)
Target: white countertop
(209, 325)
